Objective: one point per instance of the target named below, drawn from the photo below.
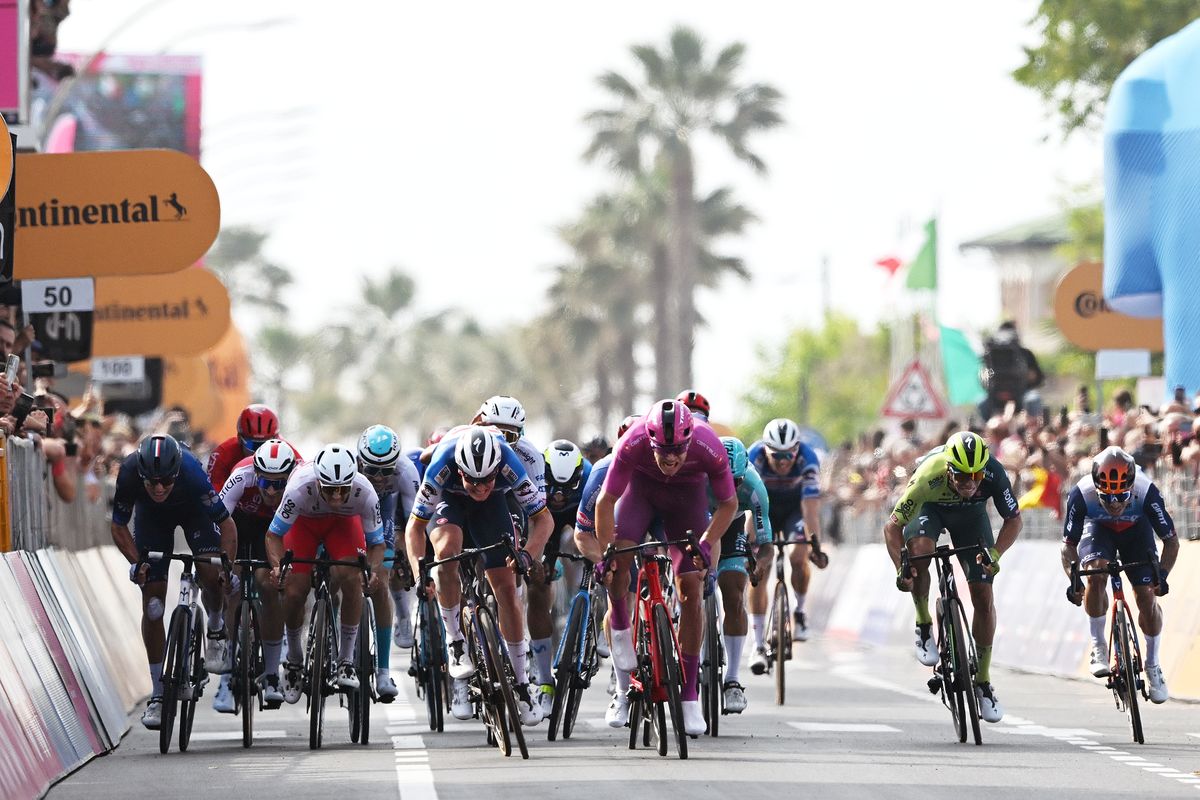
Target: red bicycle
(655, 683)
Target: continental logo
(53, 214)
(152, 312)
(1089, 304)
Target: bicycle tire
(582, 680)
(498, 690)
(318, 670)
(964, 669)
(505, 675)
(672, 676)
(955, 681)
(1129, 672)
(710, 667)
(433, 663)
(245, 671)
(567, 663)
(187, 708)
(635, 720)
(172, 676)
(783, 639)
(364, 659)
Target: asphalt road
(858, 722)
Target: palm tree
(680, 94)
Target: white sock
(403, 601)
(271, 651)
(450, 620)
(156, 680)
(516, 655)
(346, 642)
(216, 623)
(543, 657)
(1096, 624)
(1152, 649)
(757, 623)
(623, 679)
(733, 647)
(799, 600)
(295, 645)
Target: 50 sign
(64, 294)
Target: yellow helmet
(966, 452)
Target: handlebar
(361, 563)
(471, 552)
(1114, 568)
(187, 559)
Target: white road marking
(843, 727)
(414, 776)
(229, 736)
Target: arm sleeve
(231, 492)
(1002, 493)
(585, 517)
(288, 511)
(760, 507)
(387, 509)
(911, 500)
(1074, 517)
(368, 511)
(1156, 512)
(198, 486)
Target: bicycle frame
(582, 595)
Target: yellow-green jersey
(931, 484)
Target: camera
(48, 369)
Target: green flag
(962, 367)
(922, 272)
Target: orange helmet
(1113, 471)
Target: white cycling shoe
(617, 715)
(1158, 684)
(460, 700)
(693, 718)
(758, 664)
(218, 657)
(385, 687)
(152, 716)
(402, 633)
(734, 697)
(989, 706)
(293, 682)
(223, 699)
(926, 647)
(460, 667)
(1099, 661)
(529, 709)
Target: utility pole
(826, 289)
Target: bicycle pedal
(271, 705)
(934, 684)
(383, 698)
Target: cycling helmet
(966, 452)
(1113, 471)
(781, 434)
(159, 457)
(477, 452)
(564, 463)
(379, 446)
(335, 466)
(625, 425)
(257, 423)
(739, 459)
(275, 457)
(695, 401)
(502, 410)
(669, 424)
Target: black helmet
(158, 457)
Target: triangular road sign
(912, 396)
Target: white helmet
(274, 457)
(335, 466)
(477, 452)
(781, 434)
(379, 446)
(564, 462)
(502, 410)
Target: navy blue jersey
(1083, 504)
(190, 494)
(585, 517)
(442, 477)
(786, 490)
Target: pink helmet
(669, 424)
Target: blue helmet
(738, 458)
(159, 457)
(379, 446)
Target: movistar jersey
(931, 484)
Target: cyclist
(465, 486)
(792, 474)
(948, 490)
(751, 528)
(1117, 509)
(402, 631)
(256, 424)
(696, 403)
(327, 501)
(251, 495)
(661, 468)
(395, 480)
(566, 473)
(162, 486)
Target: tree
(680, 95)
(1086, 44)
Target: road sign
(182, 314)
(63, 335)
(118, 369)
(116, 212)
(912, 396)
(62, 294)
(1086, 320)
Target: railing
(32, 515)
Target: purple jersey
(706, 462)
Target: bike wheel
(965, 667)
(506, 676)
(635, 720)
(194, 666)
(564, 676)
(1128, 670)
(318, 669)
(670, 673)
(433, 659)
(498, 690)
(364, 660)
(710, 665)
(783, 638)
(172, 675)
(581, 681)
(245, 660)
(955, 680)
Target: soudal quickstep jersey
(441, 477)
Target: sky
(447, 139)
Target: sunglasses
(782, 455)
(476, 481)
(669, 449)
(253, 444)
(963, 477)
(1115, 498)
(377, 472)
(159, 481)
(339, 492)
(272, 484)
(512, 437)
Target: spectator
(1009, 371)
(8, 338)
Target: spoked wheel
(247, 661)
(668, 667)
(565, 673)
(364, 661)
(320, 643)
(710, 665)
(1128, 673)
(174, 674)
(194, 664)
(783, 639)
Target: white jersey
(403, 483)
(302, 498)
(534, 463)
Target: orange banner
(116, 212)
(182, 314)
(229, 366)
(188, 384)
(1087, 321)
(6, 158)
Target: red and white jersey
(228, 455)
(241, 491)
(302, 498)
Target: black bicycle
(320, 663)
(1125, 673)
(576, 661)
(183, 675)
(779, 619)
(958, 663)
(247, 644)
(492, 684)
(712, 653)
(427, 665)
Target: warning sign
(912, 396)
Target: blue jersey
(441, 477)
(414, 455)
(585, 518)
(192, 493)
(786, 490)
(752, 496)
(1083, 504)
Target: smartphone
(23, 406)
(10, 369)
